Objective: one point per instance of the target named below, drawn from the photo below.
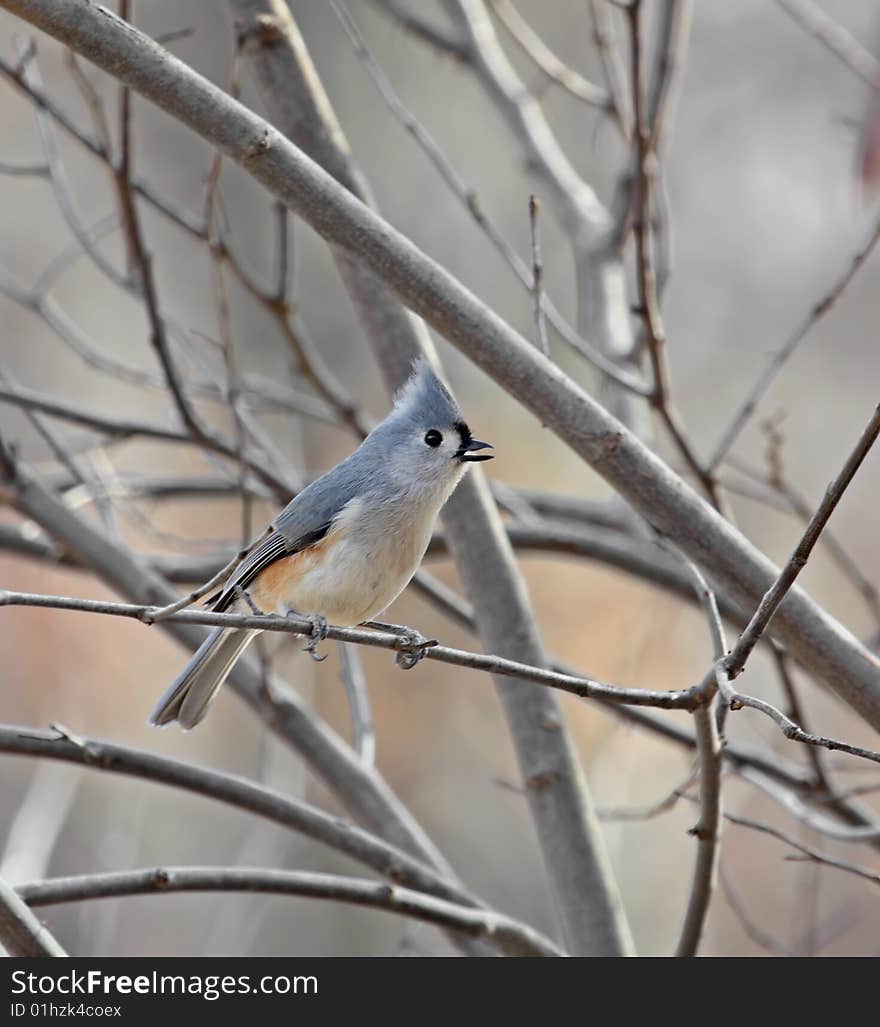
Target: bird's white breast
(362, 565)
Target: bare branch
(736, 700)
(779, 358)
(144, 271)
(647, 155)
(811, 854)
(544, 59)
(515, 938)
(707, 832)
(538, 277)
(605, 39)
(673, 36)
(778, 482)
(772, 599)
(813, 819)
(123, 428)
(708, 828)
(835, 38)
(757, 934)
(653, 809)
(440, 39)
(585, 688)
(30, 77)
(238, 792)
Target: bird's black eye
(433, 437)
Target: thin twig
(282, 274)
(538, 277)
(439, 39)
(233, 385)
(605, 39)
(91, 98)
(649, 306)
(781, 356)
(736, 700)
(31, 170)
(586, 688)
(545, 60)
(805, 850)
(30, 78)
(792, 803)
(144, 269)
(757, 934)
(123, 428)
(768, 606)
(797, 713)
(777, 481)
(653, 809)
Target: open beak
(469, 453)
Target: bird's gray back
(325, 498)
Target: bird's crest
(423, 395)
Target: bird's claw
(411, 648)
(320, 626)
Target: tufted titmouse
(347, 545)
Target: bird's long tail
(188, 698)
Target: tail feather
(188, 698)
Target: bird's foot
(320, 626)
(411, 647)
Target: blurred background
(765, 214)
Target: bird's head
(427, 435)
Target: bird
(348, 544)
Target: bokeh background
(765, 213)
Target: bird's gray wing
(304, 521)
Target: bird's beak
(469, 452)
